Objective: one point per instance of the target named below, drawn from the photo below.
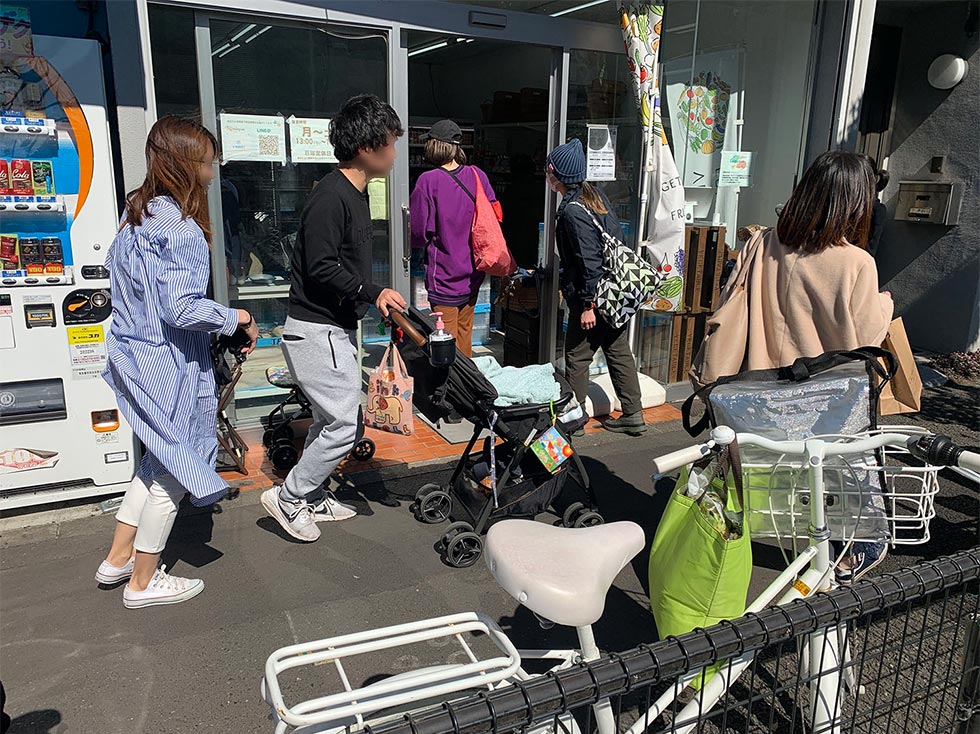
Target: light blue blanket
(535, 383)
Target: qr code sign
(269, 145)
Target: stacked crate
(705, 254)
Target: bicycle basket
(885, 495)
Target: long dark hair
(175, 149)
(831, 205)
(592, 198)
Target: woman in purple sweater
(442, 207)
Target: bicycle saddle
(561, 574)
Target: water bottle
(442, 344)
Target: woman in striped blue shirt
(159, 356)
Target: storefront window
(288, 79)
(734, 90)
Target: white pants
(151, 509)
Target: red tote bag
(490, 252)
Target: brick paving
(424, 447)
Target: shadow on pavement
(35, 722)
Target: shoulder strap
(732, 459)
(459, 183)
(604, 236)
(802, 369)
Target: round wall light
(947, 71)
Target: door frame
(563, 36)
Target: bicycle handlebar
(930, 448)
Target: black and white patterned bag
(628, 282)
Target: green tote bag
(697, 576)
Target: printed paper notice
(601, 157)
(253, 138)
(736, 169)
(377, 190)
(86, 346)
(309, 140)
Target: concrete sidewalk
(74, 661)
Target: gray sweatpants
(323, 360)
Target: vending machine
(61, 434)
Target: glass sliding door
(268, 89)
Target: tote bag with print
(389, 406)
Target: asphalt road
(74, 661)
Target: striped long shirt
(159, 346)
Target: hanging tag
(552, 449)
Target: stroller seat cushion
(561, 574)
(280, 377)
(534, 384)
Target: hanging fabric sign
(663, 228)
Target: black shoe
(632, 425)
(453, 418)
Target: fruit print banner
(703, 108)
(662, 197)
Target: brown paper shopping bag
(904, 393)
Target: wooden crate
(686, 337)
(705, 254)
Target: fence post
(968, 705)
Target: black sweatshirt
(331, 262)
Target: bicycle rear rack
(350, 708)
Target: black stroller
(524, 487)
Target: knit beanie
(567, 162)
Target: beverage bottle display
(442, 345)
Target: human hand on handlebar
(388, 299)
(247, 324)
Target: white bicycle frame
(826, 650)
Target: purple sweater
(442, 216)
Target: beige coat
(802, 305)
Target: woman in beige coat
(811, 287)
(810, 284)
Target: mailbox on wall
(932, 202)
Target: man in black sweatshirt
(331, 291)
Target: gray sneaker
(330, 509)
(295, 518)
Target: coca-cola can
(4, 177)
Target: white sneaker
(330, 509)
(296, 519)
(162, 589)
(109, 574)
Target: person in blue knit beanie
(583, 210)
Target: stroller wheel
(463, 550)
(573, 511)
(457, 528)
(284, 455)
(424, 490)
(435, 507)
(272, 436)
(364, 449)
(588, 519)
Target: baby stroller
(524, 487)
(279, 434)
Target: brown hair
(592, 198)
(175, 149)
(439, 153)
(831, 205)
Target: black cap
(445, 130)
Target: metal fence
(913, 666)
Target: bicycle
(563, 575)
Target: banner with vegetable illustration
(662, 193)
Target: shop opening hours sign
(309, 140)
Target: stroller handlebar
(402, 323)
